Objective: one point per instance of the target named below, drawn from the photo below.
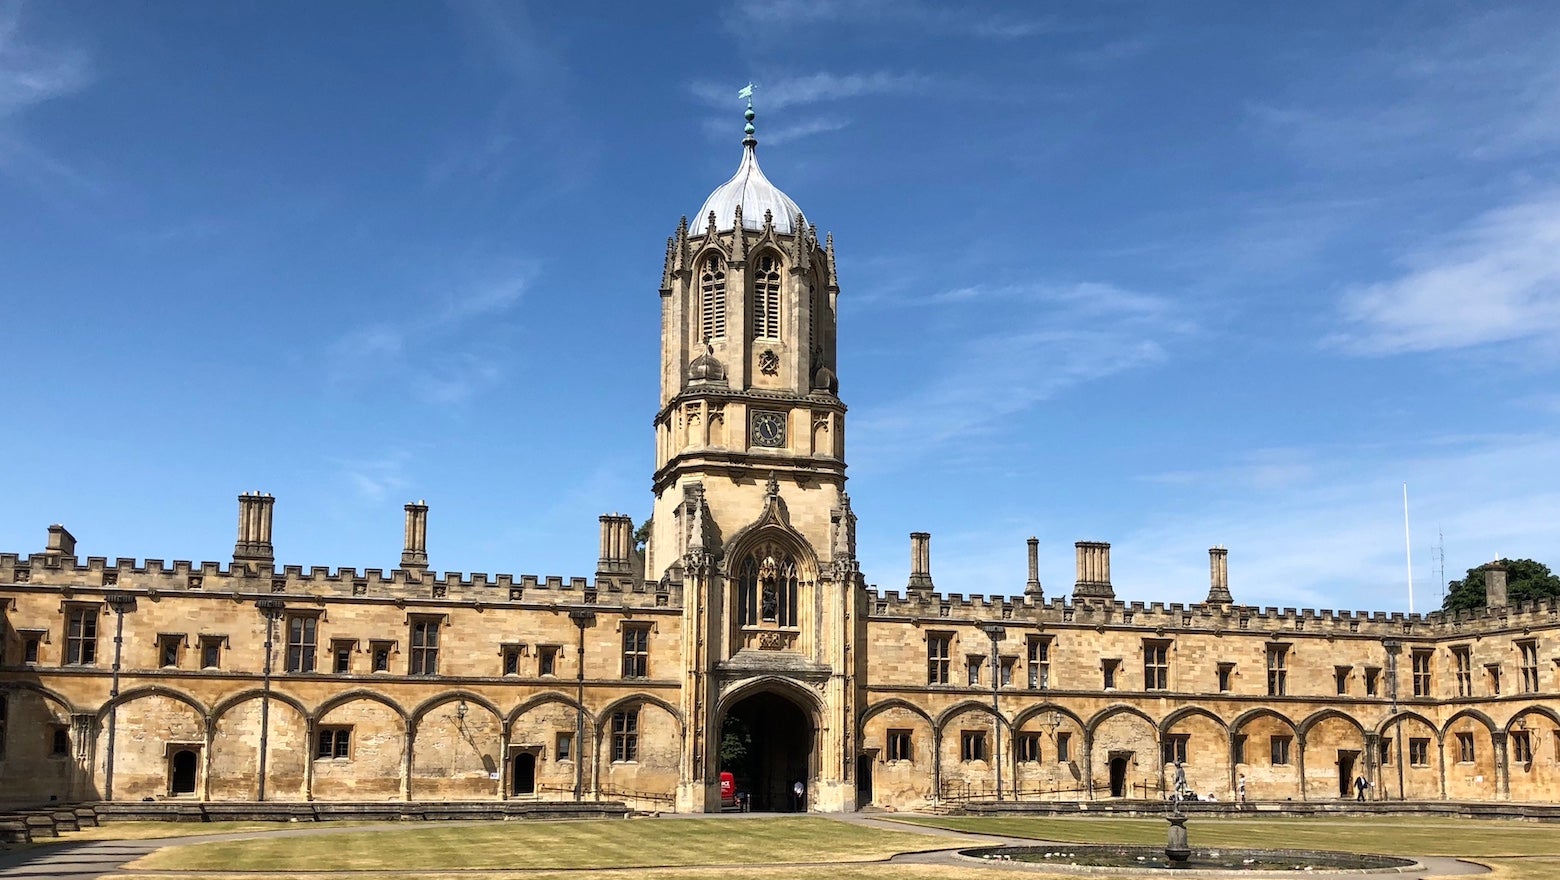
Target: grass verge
(534, 846)
(1392, 836)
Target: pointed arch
(1112, 711)
(435, 702)
(947, 715)
(48, 693)
(155, 691)
(1321, 715)
(1023, 716)
(882, 706)
(1185, 712)
(1475, 714)
(361, 694)
(1545, 711)
(1406, 715)
(1251, 715)
(641, 700)
(229, 703)
(543, 699)
(804, 697)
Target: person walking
(1360, 784)
(1240, 789)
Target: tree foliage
(1525, 580)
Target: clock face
(768, 428)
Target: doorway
(1118, 777)
(182, 770)
(766, 743)
(523, 772)
(1346, 761)
(864, 764)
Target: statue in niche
(769, 592)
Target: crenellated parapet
(1160, 617)
(66, 573)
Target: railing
(654, 800)
(955, 790)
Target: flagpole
(1408, 550)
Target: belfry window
(766, 297)
(712, 298)
(767, 587)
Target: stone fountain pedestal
(1177, 849)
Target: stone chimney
(1494, 585)
(1032, 586)
(415, 555)
(617, 546)
(61, 543)
(921, 562)
(1093, 572)
(1219, 577)
(254, 529)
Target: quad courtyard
(751, 846)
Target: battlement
(157, 575)
(929, 607)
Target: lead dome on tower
(750, 189)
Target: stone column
(1032, 586)
(254, 530)
(1218, 577)
(1093, 568)
(616, 546)
(1495, 585)
(415, 555)
(1502, 764)
(921, 562)
(1300, 757)
(1372, 765)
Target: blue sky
(1164, 275)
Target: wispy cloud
(1484, 85)
(1496, 280)
(1053, 339)
(927, 16)
(32, 74)
(413, 351)
(813, 88)
(534, 121)
(373, 479)
(804, 91)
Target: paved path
(88, 860)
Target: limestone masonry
(745, 617)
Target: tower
(750, 515)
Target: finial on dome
(749, 140)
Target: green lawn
(508, 846)
(149, 830)
(792, 848)
(1389, 835)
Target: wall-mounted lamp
(460, 712)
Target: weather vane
(747, 130)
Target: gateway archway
(766, 742)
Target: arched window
(766, 587)
(712, 298)
(766, 297)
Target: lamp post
(997, 633)
(272, 610)
(582, 619)
(121, 603)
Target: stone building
(744, 620)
